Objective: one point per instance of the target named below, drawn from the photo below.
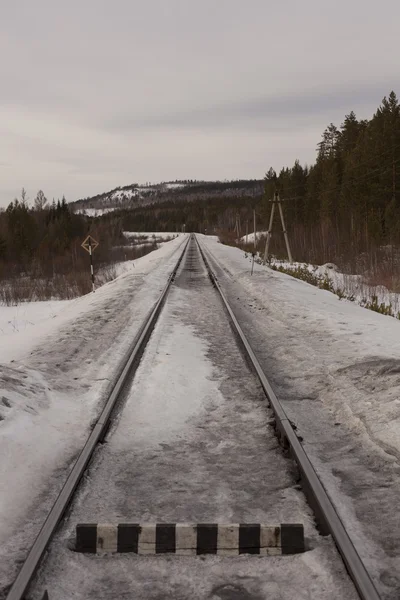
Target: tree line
(40, 245)
(347, 203)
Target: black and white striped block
(189, 539)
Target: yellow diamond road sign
(89, 241)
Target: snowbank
(349, 286)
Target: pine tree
(40, 200)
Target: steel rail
(100, 429)
(326, 515)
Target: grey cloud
(295, 106)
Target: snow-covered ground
(335, 366)
(57, 362)
(24, 317)
(193, 444)
(351, 286)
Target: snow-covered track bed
(192, 442)
(326, 515)
(99, 431)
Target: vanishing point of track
(326, 516)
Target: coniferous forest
(347, 203)
(344, 208)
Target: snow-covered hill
(135, 195)
(129, 196)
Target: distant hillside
(134, 196)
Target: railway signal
(90, 244)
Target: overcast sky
(100, 93)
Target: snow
(335, 367)
(175, 375)
(95, 212)
(143, 189)
(21, 318)
(192, 444)
(250, 237)
(313, 575)
(353, 286)
(123, 194)
(57, 362)
(175, 186)
(25, 325)
(117, 196)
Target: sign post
(90, 244)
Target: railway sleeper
(189, 539)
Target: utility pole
(255, 232)
(277, 200)
(269, 232)
(285, 232)
(237, 226)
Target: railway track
(189, 278)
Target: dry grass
(39, 286)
